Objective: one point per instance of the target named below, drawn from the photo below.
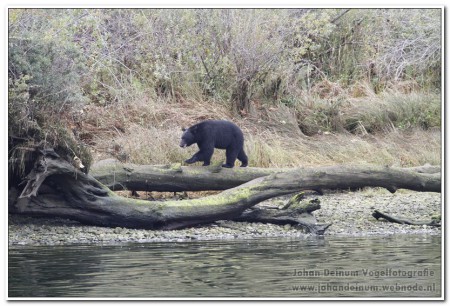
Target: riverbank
(349, 212)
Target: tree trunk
(56, 188)
(241, 97)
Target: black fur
(219, 134)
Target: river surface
(393, 266)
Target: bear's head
(189, 137)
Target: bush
(44, 85)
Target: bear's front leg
(191, 160)
(206, 154)
(203, 155)
(195, 158)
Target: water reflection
(313, 267)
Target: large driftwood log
(118, 176)
(57, 188)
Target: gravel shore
(349, 212)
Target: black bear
(212, 134)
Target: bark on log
(176, 178)
(378, 214)
(173, 178)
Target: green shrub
(44, 85)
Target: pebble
(350, 213)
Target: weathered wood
(296, 212)
(175, 178)
(427, 168)
(59, 189)
(377, 215)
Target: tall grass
(342, 126)
(394, 129)
(417, 147)
(393, 110)
(369, 113)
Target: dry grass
(359, 110)
(400, 149)
(148, 132)
(394, 110)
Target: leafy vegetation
(106, 79)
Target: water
(400, 266)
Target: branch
(296, 212)
(340, 15)
(377, 215)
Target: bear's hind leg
(243, 158)
(231, 158)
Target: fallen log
(173, 178)
(56, 188)
(378, 214)
(176, 178)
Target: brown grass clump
(327, 90)
(361, 89)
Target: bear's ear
(193, 129)
(183, 129)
